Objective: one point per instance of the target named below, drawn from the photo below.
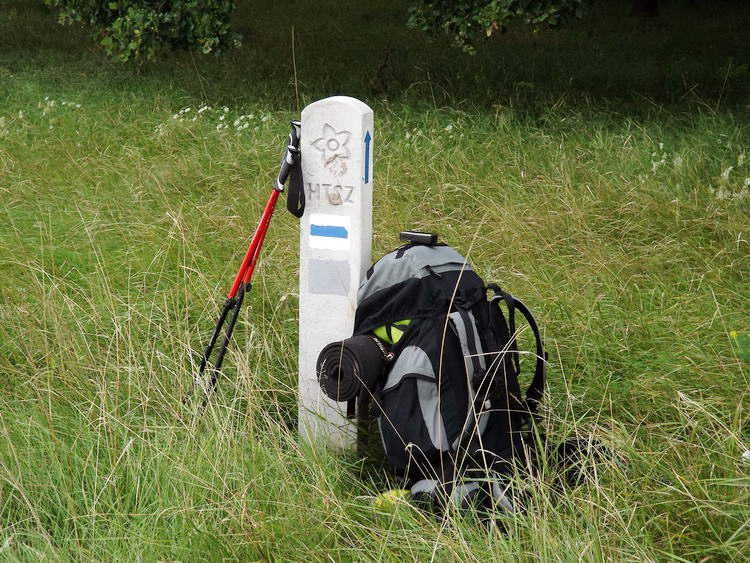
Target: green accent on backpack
(392, 333)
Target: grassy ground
(601, 172)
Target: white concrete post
(335, 249)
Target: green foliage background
(598, 171)
(466, 22)
(139, 29)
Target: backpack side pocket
(411, 424)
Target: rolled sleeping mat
(347, 367)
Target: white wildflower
(656, 164)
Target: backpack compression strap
(536, 389)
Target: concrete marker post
(335, 249)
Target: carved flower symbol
(332, 144)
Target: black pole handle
(290, 158)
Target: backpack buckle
(387, 354)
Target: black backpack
(438, 361)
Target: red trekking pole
(290, 165)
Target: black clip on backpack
(439, 362)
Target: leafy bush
(469, 20)
(139, 29)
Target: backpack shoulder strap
(506, 331)
(536, 388)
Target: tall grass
(607, 188)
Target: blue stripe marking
(328, 231)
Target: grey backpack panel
(412, 360)
(419, 262)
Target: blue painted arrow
(368, 138)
